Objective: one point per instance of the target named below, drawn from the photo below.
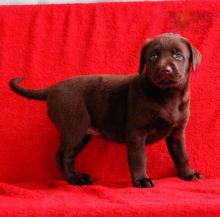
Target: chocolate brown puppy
(131, 109)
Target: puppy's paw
(144, 183)
(80, 179)
(191, 176)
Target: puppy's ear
(142, 57)
(195, 57)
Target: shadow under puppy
(132, 109)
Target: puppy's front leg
(177, 149)
(137, 161)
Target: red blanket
(46, 44)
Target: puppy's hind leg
(60, 152)
(66, 159)
(73, 140)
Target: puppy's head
(167, 59)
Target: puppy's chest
(163, 120)
(170, 113)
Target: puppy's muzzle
(165, 76)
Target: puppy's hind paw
(144, 183)
(80, 179)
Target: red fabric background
(46, 44)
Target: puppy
(131, 109)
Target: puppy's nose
(167, 70)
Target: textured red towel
(171, 197)
(48, 43)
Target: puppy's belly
(156, 135)
(110, 135)
(93, 131)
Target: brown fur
(132, 109)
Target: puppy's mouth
(167, 84)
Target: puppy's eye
(153, 57)
(178, 56)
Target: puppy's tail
(31, 94)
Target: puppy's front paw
(143, 183)
(80, 179)
(191, 176)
